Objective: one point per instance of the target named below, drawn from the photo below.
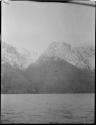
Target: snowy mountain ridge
(81, 57)
(21, 58)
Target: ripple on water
(48, 109)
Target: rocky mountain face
(81, 57)
(20, 58)
(60, 69)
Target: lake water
(47, 108)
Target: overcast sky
(35, 25)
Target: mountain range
(61, 68)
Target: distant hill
(13, 80)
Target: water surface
(47, 108)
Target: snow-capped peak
(20, 58)
(82, 57)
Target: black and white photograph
(48, 61)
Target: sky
(33, 25)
